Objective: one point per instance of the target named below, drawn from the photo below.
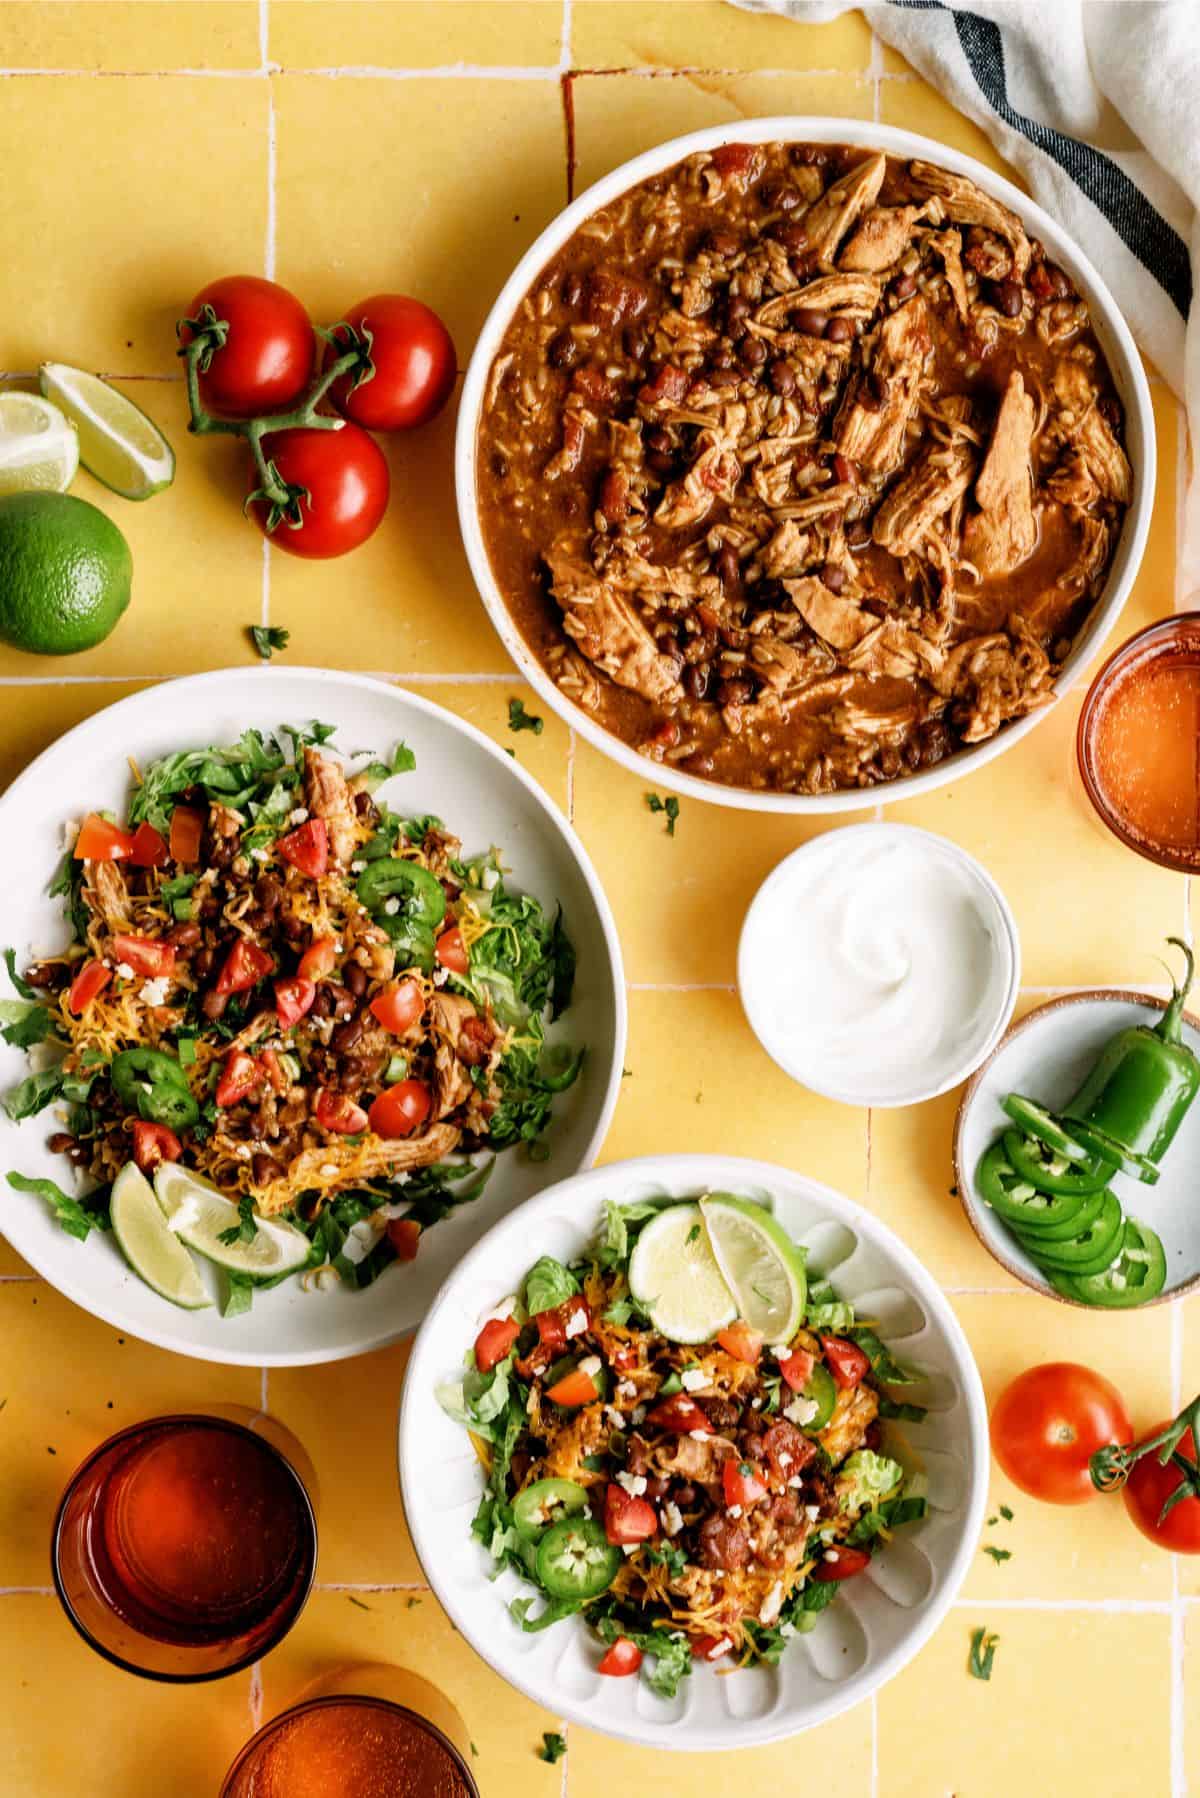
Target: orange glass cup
(185, 1547)
(1138, 743)
(360, 1731)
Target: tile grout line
(875, 75)
(874, 1773)
(269, 253)
(571, 742)
(564, 39)
(460, 71)
(255, 1696)
(1179, 1782)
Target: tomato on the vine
(1049, 1421)
(1147, 1490)
(346, 483)
(267, 358)
(414, 362)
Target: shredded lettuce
(865, 1477)
(77, 1217)
(24, 1022)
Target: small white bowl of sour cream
(879, 965)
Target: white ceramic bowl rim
(679, 1174)
(1107, 322)
(952, 1073)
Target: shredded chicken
(327, 796)
(1005, 531)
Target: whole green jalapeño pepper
(1141, 1088)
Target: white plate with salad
(693, 1451)
(307, 984)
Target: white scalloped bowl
(879, 1621)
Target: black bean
(322, 1005)
(268, 890)
(661, 464)
(739, 307)
(858, 533)
(697, 679)
(355, 978)
(753, 352)
(659, 440)
(1008, 298)
(735, 692)
(729, 570)
(263, 1169)
(343, 1001)
(47, 974)
(563, 350)
(1060, 286)
(500, 470)
(810, 155)
(780, 196)
(213, 1004)
(810, 320)
(792, 235)
(722, 243)
(182, 936)
(724, 377)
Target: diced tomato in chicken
(100, 841)
(797, 1369)
(494, 1341)
(626, 1518)
(574, 1389)
(401, 1109)
(307, 847)
(293, 998)
(452, 951)
(845, 1360)
(338, 1112)
(153, 1143)
(398, 1006)
(669, 385)
(187, 828)
(148, 849)
(741, 1484)
(144, 954)
(274, 1070)
(245, 965)
(240, 1076)
(743, 1343)
(90, 981)
(679, 1414)
(849, 1561)
(624, 1657)
(318, 958)
(404, 1234)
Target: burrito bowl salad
(683, 1439)
(305, 1016)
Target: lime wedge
(151, 1249)
(198, 1214)
(762, 1264)
(39, 450)
(674, 1276)
(117, 442)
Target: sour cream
(879, 965)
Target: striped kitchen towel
(1097, 103)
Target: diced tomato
(338, 1112)
(307, 847)
(670, 384)
(187, 828)
(144, 954)
(404, 1234)
(710, 1648)
(743, 1343)
(623, 1657)
(627, 1519)
(91, 980)
(735, 159)
(153, 1143)
(573, 1316)
(452, 951)
(741, 1484)
(274, 1070)
(574, 1389)
(624, 1358)
(401, 1109)
(398, 1006)
(318, 958)
(797, 1369)
(100, 841)
(494, 1341)
(245, 965)
(148, 850)
(293, 998)
(849, 1562)
(679, 1414)
(845, 1360)
(240, 1076)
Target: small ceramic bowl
(957, 1055)
(1047, 1056)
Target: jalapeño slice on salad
(575, 1559)
(547, 1502)
(821, 1390)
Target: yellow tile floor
(346, 146)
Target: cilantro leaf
(520, 719)
(997, 1554)
(983, 1653)
(401, 761)
(245, 1230)
(553, 1747)
(1006, 1513)
(669, 806)
(22, 986)
(268, 638)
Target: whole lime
(65, 573)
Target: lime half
(674, 1276)
(39, 449)
(150, 1247)
(198, 1214)
(761, 1263)
(117, 442)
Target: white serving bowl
(1111, 332)
(485, 798)
(755, 945)
(879, 1621)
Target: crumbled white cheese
(787, 1631)
(756, 1404)
(298, 815)
(693, 1379)
(328, 1169)
(625, 1388)
(785, 1460)
(490, 879)
(70, 830)
(590, 1365)
(633, 1483)
(772, 1604)
(441, 976)
(338, 947)
(719, 1648)
(327, 1278)
(360, 1240)
(812, 1512)
(672, 1518)
(357, 866)
(124, 971)
(154, 992)
(638, 1415)
(801, 1410)
(781, 1350)
(734, 1511)
(391, 907)
(243, 1151)
(831, 1554)
(259, 855)
(795, 1480)
(629, 1548)
(576, 1325)
(699, 1435)
(614, 1417)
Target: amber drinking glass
(1138, 744)
(370, 1731)
(184, 1547)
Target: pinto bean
(783, 378)
(810, 320)
(697, 679)
(61, 1143)
(213, 1004)
(268, 890)
(839, 330)
(182, 936)
(47, 974)
(1008, 298)
(722, 1413)
(343, 1001)
(347, 1034)
(833, 577)
(563, 350)
(904, 287)
(753, 353)
(263, 1169)
(684, 1495)
(792, 235)
(355, 978)
(722, 243)
(735, 692)
(780, 196)
(723, 1544)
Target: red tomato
(494, 1341)
(293, 998)
(679, 1414)
(451, 950)
(1048, 1421)
(153, 1143)
(398, 1006)
(401, 1109)
(144, 954)
(741, 1483)
(147, 849)
(623, 1657)
(552, 1326)
(797, 1369)
(845, 1360)
(1147, 1490)
(338, 1112)
(245, 965)
(307, 848)
(574, 1389)
(404, 1234)
(710, 1648)
(267, 358)
(318, 958)
(100, 841)
(414, 365)
(187, 828)
(849, 1562)
(240, 1076)
(743, 1343)
(627, 1519)
(274, 1070)
(345, 477)
(91, 980)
